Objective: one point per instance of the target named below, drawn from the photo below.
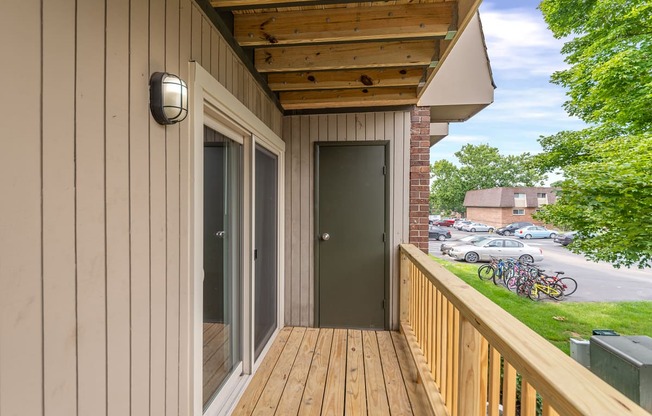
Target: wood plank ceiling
(321, 54)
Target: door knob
(325, 237)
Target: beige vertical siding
(94, 289)
(300, 134)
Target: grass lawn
(559, 321)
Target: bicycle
(495, 269)
(567, 283)
(533, 288)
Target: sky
(523, 54)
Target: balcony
(457, 354)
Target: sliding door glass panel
(223, 171)
(265, 254)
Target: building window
(518, 212)
(542, 195)
(520, 199)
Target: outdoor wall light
(168, 98)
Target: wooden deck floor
(311, 371)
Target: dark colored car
(510, 228)
(438, 233)
(445, 222)
(565, 239)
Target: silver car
(469, 239)
(476, 227)
(483, 250)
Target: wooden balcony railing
(472, 354)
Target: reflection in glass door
(265, 254)
(223, 171)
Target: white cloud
(519, 42)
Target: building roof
(504, 196)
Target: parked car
(565, 239)
(446, 247)
(444, 222)
(483, 250)
(459, 224)
(476, 226)
(438, 233)
(510, 228)
(535, 231)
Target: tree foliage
(607, 191)
(480, 167)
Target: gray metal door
(351, 232)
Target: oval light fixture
(168, 98)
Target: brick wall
(419, 176)
(499, 217)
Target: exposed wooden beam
(372, 97)
(341, 56)
(407, 21)
(358, 78)
(263, 4)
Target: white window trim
(515, 211)
(210, 103)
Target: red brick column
(419, 176)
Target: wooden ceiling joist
(259, 4)
(342, 56)
(353, 24)
(372, 97)
(358, 78)
(318, 54)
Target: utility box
(625, 362)
(579, 351)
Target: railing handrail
(573, 389)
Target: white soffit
(437, 132)
(463, 85)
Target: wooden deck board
(399, 403)
(335, 372)
(356, 398)
(271, 395)
(313, 395)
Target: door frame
(386, 280)
(211, 104)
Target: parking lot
(596, 281)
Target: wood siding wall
(300, 134)
(94, 203)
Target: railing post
(404, 290)
(469, 396)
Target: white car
(483, 250)
(476, 226)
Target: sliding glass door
(265, 248)
(223, 188)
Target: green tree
(480, 167)
(607, 191)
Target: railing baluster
(444, 350)
(548, 410)
(449, 355)
(509, 389)
(468, 393)
(484, 372)
(440, 339)
(528, 399)
(494, 382)
(428, 351)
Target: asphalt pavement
(595, 281)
